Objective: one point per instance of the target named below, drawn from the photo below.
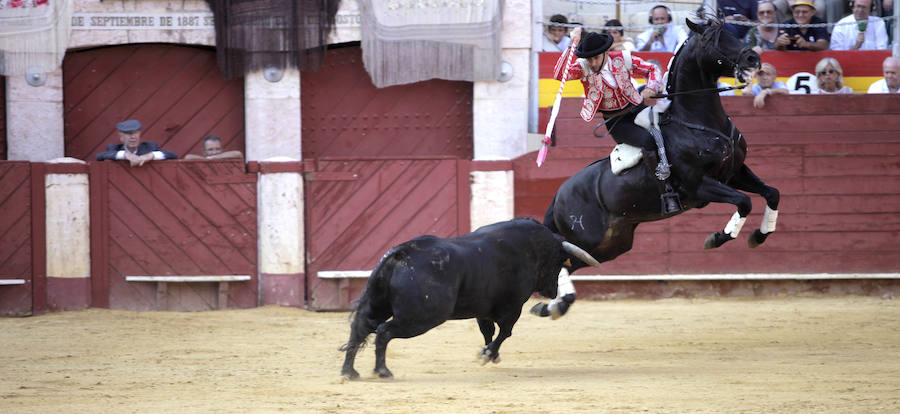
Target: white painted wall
(34, 121)
(272, 116)
(281, 244)
(492, 197)
(92, 23)
(68, 223)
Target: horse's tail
(373, 306)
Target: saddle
(625, 156)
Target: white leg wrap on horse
(733, 228)
(564, 287)
(768, 222)
(564, 284)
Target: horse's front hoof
(756, 238)
(350, 374)
(716, 239)
(540, 310)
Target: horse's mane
(715, 25)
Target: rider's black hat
(593, 44)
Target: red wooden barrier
(835, 159)
(16, 244)
(357, 209)
(173, 218)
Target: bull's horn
(579, 253)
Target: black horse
(599, 211)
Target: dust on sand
(776, 355)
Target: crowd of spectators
(769, 25)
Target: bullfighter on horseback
(606, 78)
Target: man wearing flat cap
(606, 78)
(137, 153)
(803, 38)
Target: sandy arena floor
(783, 355)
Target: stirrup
(662, 171)
(670, 200)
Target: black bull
(487, 274)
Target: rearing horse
(599, 211)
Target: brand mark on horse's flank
(576, 220)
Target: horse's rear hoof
(757, 238)
(715, 240)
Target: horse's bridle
(704, 41)
(715, 48)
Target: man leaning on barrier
(137, 153)
(891, 81)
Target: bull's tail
(373, 306)
(372, 309)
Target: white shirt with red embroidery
(611, 88)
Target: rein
(613, 118)
(704, 90)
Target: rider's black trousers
(623, 129)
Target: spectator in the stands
(763, 37)
(665, 36)
(620, 42)
(742, 11)
(891, 81)
(860, 30)
(803, 38)
(783, 9)
(887, 10)
(830, 77)
(557, 37)
(767, 84)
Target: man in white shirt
(665, 37)
(891, 81)
(859, 31)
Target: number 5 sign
(802, 83)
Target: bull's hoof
(716, 239)
(540, 310)
(384, 373)
(350, 374)
(757, 238)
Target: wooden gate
(175, 91)
(179, 218)
(16, 285)
(357, 209)
(345, 115)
